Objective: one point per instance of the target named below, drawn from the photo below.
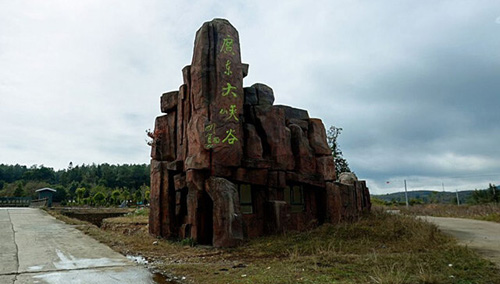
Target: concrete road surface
(481, 236)
(37, 248)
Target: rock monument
(228, 165)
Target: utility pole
(458, 199)
(406, 196)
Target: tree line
(102, 184)
(490, 195)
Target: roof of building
(45, 189)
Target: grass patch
(139, 212)
(492, 217)
(486, 212)
(380, 248)
(128, 220)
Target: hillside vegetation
(477, 196)
(477, 204)
(102, 184)
(486, 212)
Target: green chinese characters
(228, 92)
(212, 139)
(227, 45)
(210, 135)
(230, 138)
(231, 113)
(228, 71)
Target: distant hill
(427, 196)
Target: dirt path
(481, 236)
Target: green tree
(494, 193)
(72, 189)
(115, 197)
(31, 187)
(143, 189)
(415, 201)
(80, 192)
(341, 164)
(490, 195)
(137, 196)
(125, 195)
(99, 198)
(434, 197)
(86, 201)
(93, 178)
(41, 173)
(61, 194)
(19, 192)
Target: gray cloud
(413, 83)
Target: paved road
(481, 236)
(37, 248)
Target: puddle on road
(157, 277)
(162, 279)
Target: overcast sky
(414, 84)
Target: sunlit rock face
(228, 165)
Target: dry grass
(487, 212)
(128, 220)
(380, 248)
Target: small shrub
(188, 242)
(139, 212)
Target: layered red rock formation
(227, 164)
